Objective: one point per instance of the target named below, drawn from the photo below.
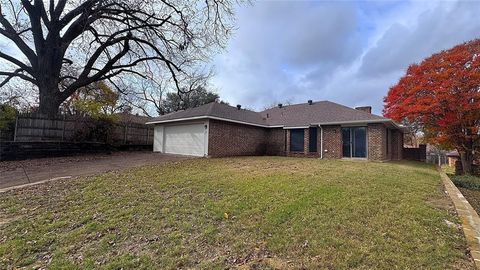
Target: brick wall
(306, 141)
(275, 142)
(319, 142)
(332, 142)
(230, 139)
(377, 142)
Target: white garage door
(185, 139)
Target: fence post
(43, 129)
(125, 135)
(148, 131)
(15, 131)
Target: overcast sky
(344, 51)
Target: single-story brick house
(318, 129)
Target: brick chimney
(239, 107)
(367, 109)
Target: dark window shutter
(312, 141)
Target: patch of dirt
(463, 264)
(5, 221)
(267, 263)
(15, 173)
(296, 166)
(40, 162)
(473, 197)
(442, 202)
(259, 258)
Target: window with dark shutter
(296, 140)
(312, 141)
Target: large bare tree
(63, 45)
(153, 97)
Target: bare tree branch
(16, 73)
(17, 62)
(69, 46)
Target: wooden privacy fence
(36, 127)
(418, 154)
(6, 135)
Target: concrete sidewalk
(33, 171)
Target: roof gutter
(276, 126)
(298, 127)
(373, 121)
(175, 120)
(210, 117)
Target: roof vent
(367, 109)
(280, 105)
(310, 102)
(239, 107)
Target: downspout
(321, 142)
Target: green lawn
(247, 213)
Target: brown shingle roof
(215, 109)
(321, 112)
(317, 113)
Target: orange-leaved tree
(441, 96)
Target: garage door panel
(185, 139)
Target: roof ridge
(296, 104)
(362, 112)
(210, 108)
(233, 107)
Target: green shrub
(466, 181)
(7, 116)
(96, 130)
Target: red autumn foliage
(441, 95)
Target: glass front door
(346, 139)
(354, 142)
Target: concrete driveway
(16, 173)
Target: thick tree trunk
(49, 102)
(50, 60)
(466, 157)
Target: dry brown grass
(282, 213)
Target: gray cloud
(435, 29)
(344, 52)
